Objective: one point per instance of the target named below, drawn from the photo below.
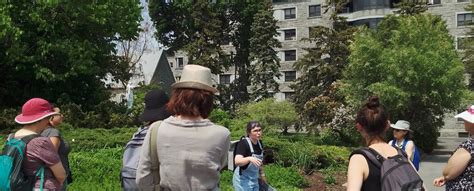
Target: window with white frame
(314, 10)
(180, 62)
(290, 13)
(290, 55)
(224, 79)
(289, 34)
(465, 19)
(290, 76)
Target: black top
(373, 181)
(243, 149)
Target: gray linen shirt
(191, 155)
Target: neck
(33, 128)
(373, 140)
(191, 118)
(400, 140)
(254, 141)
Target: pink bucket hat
(467, 115)
(34, 110)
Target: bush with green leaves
(7, 122)
(275, 116)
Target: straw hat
(195, 77)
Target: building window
(465, 19)
(290, 13)
(224, 79)
(178, 78)
(435, 2)
(314, 10)
(462, 1)
(180, 62)
(171, 64)
(290, 55)
(463, 42)
(289, 95)
(290, 34)
(290, 76)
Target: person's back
(191, 154)
(372, 175)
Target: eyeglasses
(396, 130)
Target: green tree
(468, 52)
(275, 116)
(196, 27)
(266, 63)
(320, 68)
(414, 68)
(412, 7)
(62, 51)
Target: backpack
(130, 159)
(11, 163)
(416, 154)
(396, 171)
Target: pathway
(432, 165)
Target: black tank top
(373, 181)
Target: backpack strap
(28, 138)
(250, 145)
(155, 163)
(370, 154)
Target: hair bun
(373, 102)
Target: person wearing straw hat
(401, 139)
(459, 172)
(191, 149)
(35, 117)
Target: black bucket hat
(155, 106)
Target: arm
(143, 173)
(456, 164)
(409, 149)
(224, 156)
(356, 173)
(58, 172)
(56, 142)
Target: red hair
(191, 102)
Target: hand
(255, 161)
(440, 181)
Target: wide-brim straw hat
(195, 77)
(35, 110)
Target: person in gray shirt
(61, 146)
(191, 149)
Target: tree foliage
(320, 68)
(62, 51)
(273, 115)
(266, 64)
(412, 64)
(196, 27)
(468, 52)
(200, 27)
